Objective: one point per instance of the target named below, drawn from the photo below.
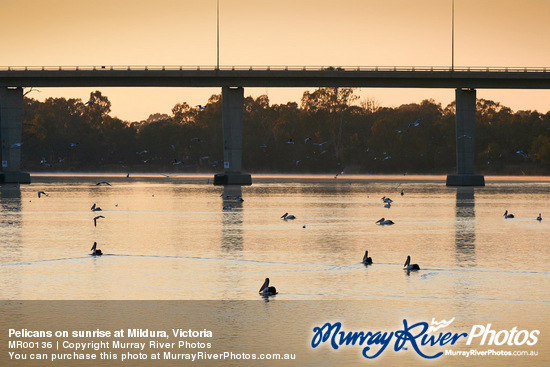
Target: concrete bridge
(232, 80)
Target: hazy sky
(512, 33)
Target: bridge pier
(465, 140)
(11, 126)
(232, 118)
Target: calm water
(170, 239)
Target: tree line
(330, 131)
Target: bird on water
(408, 266)
(383, 221)
(95, 250)
(266, 290)
(366, 259)
(287, 217)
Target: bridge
(232, 80)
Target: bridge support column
(465, 139)
(11, 126)
(232, 117)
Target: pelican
(408, 266)
(287, 217)
(95, 208)
(96, 218)
(40, 193)
(414, 124)
(539, 218)
(366, 259)
(266, 290)
(103, 182)
(506, 215)
(521, 152)
(96, 252)
(383, 221)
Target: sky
(488, 33)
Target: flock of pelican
(265, 289)
(510, 215)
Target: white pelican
(266, 290)
(96, 218)
(408, 266)
(96, 252)
(383, 221)
(521, 152)
(506, 215)
(539, 218)
(40, 193)
(287, 217)
(414, 124)
(366, 259)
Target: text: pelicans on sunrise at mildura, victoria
(178, 333)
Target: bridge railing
(476, 69)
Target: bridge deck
(179, 76)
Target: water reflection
(465, 234)
(232, 220)
(11, 204)
(11, 234)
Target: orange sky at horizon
(507, 33)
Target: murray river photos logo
(421, 337)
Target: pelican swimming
(366, 259)
(539, 218)
(95, 208)
(506, 215)
(96, 218)
(383, 221)
(96, 252)
(408, 266)
(387, 200)
(287, 217)
(266, 290)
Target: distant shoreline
(288, 177)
